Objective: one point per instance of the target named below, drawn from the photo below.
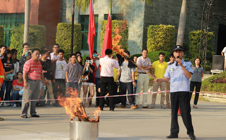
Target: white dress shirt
(107, 65)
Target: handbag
(85, 78)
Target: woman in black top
(88, 70)
(9, 69)
(79, 60)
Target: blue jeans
(16, 96)
(123, 88)
(97, 93)
(8, 86)
(71, 86)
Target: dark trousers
(60, 87)
(197, 86)
(8, 86)
(107, 86)
(123, 88)
(182, 98)
(97, 93)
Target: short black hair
(144, 50)
(7, 52)
(162, 53)
(44, 51)
(3, 46)
(35, 49)
(78, 53)
(135, 56)
(73, 55)
(26, 44)
(61, 51)
(14, 50)
(127, 52)
(108, 52)
(19, 72)
(94, 51)
(171, 55)
(45, 48)
(57, 45)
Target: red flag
(107, 44)
(92, 30)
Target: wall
(49, 16)
(135, 17)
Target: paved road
(122, 124)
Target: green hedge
(124, 33)
(207, 84)
(1, 34)
(154, 56)
(63, 38)
(194, 39)
(160, 38)
(37, 37)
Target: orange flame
(116, 39)
(74, 107)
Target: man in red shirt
(32, 74)
(1, 79)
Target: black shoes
(24, 116)
(35, 116)
(171, 136)
(192, 137)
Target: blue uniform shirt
(178, 80)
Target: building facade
(140, 15)
(42, 12)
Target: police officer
(179, 73)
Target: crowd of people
(40, 74)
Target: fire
(116, 39)
(74, 107)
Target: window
(85, 28)
(114, 16)
(10, 21)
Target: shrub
(1, 34)
(123, 32)
(160, 38)
(154, 56)
(63, 38)
(194, 39)
(37, 37)
(209, 84)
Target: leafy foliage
(124, 33)
(83, 4)
(194, 39)
(154, 56)
(160, 37)
(209, 84)
(37, 37)
(1, 34)
(63, 38)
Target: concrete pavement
(122, 124)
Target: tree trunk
(27, 20)
(182, 23)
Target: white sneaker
(4, 104)
(14, 105)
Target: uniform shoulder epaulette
(171, 63)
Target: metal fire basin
(80, 130)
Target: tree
(26, 20)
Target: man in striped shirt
(32, 74)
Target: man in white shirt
(143, 78)
(107, 80)
(223, 53)
(54, 54)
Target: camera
(88, 61)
